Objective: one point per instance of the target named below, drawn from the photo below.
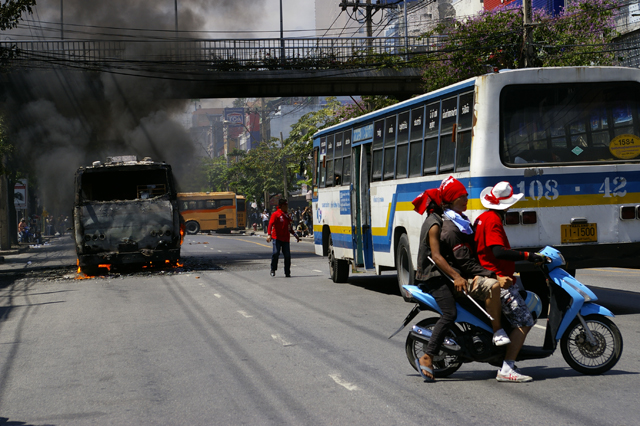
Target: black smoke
(61, 119)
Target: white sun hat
(499, 197)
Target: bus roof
(367, 117)
(460, 86)
(207, 195)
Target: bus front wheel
(404, 266)
(192, 227)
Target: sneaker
(513, 376)
(500, 338)
(273, 273)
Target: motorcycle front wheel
(444, 364)
(590, 359)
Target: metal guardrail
(288, 53)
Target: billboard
(20, 194)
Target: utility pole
(528, 29)
(176, 13)
(370, 10)
(61, 20)
(285, 194)
(282, 57)
(369, 22)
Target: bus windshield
(570, 123)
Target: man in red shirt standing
(279, 230)
(495, 254)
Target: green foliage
(580, 35)
(11, 12)
(263, 168)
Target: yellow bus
(241, 209)
(208, 211)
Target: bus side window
(447, 139)
(415, 144)
(211, 204)
(378, 138)
(330, 170)
(465, 122)
(314, 181)
(322, 165)
(389, 147)
(346, 162)
(337, 163)
(403, 145)
(431, 131)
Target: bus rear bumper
(129, 258)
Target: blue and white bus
(568, 138)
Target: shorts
(514, 307)
(480, 287)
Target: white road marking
(217, 295)
(315, 270)
(349, 386)
(540, 327)
(280, 340)
(244, 314)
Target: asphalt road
(220, 342)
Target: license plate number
(579, 233)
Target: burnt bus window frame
(121, 183)
(572, 142)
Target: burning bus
(125, 212)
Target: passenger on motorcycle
(495, 254)
(482, 287)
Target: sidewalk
(54, 253)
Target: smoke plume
(60, 120)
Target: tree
(10, 16)
(580, 35)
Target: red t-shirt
(490, 232)
(279, 226)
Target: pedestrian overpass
(200, 68)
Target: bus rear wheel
(192, 227)
(338, 268)
(404, 266)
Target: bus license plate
(579, 233)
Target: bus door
(361, 215)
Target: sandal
(422, 368)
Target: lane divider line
(244, 314)
(280, 339)
(540, 326)
(348, 386)
(217, 295)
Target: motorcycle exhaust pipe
(423, 335)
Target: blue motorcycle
(590, 342)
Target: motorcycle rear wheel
(592, 359)
(444, 364)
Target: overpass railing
(225, 55)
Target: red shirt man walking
(279, 230)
